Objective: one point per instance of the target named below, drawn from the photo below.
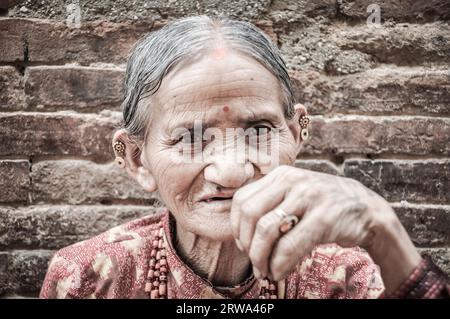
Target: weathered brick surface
(14, 181)
(322, 166)
(402, 44)
(399, 10)
(55, 134)
(415, 181)
(46, 41)
(379, 99)
(285, 13)
(441, 256)
(426, 224)
(72, 87)
(81, 182)
(54, 42)
(340, 49)
(57, 226)
(11, 89)
(23, 271)
(384, 90)
(142, 10)
(379, 135)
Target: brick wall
(380, 100)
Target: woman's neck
(222, 263)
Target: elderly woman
(238, 223)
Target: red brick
(14, 181)
(400, 44)
(400, 10)
(425, 181)
(23, 271)
(5, 4)
(49, 41)
(427, 225)
(379, 135)
(56, 134)
(57, 226)
(322, 166)
(384, 90)
(73, 87)
(11, 89)
(77, 181)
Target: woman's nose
(227, 171)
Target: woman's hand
(331, 209)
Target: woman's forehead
(237, 82)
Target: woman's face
(226, 94)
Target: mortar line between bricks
(94, 110)
(81, 206)
(331, 158)
(409, 204)
(373, 157)
(329, 118)
(97, 205)
(14, 250)
(434, 248)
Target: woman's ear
(132, 162)
(294, 124)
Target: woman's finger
(267, 229)
(292, 246)
(255, 208)
(246, 193)
(345, 222)
(266, 234)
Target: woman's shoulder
(126, 235)
(332, 271)
(103, 265)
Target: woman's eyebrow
(264, 116)
(246, 119)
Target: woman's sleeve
(63, 279)
(427, 281)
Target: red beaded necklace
(156, 285)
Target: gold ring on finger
(287, 223)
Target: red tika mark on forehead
(219, 53)
(225, 108)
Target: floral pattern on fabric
(114, 264)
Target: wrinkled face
(238, 102)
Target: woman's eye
(191, 138)
(259, 130)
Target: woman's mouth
(218, 197)
(209, 200)
(219, 202)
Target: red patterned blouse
(115, 263)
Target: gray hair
(156, 54)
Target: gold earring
(119, 147)
(304, 122)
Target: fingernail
(257, 273)
(239, 245)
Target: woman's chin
(210, 221)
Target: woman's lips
(217, 201)
(209, 200)
(222, 196)
(223, 204)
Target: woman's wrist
(392, 250)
